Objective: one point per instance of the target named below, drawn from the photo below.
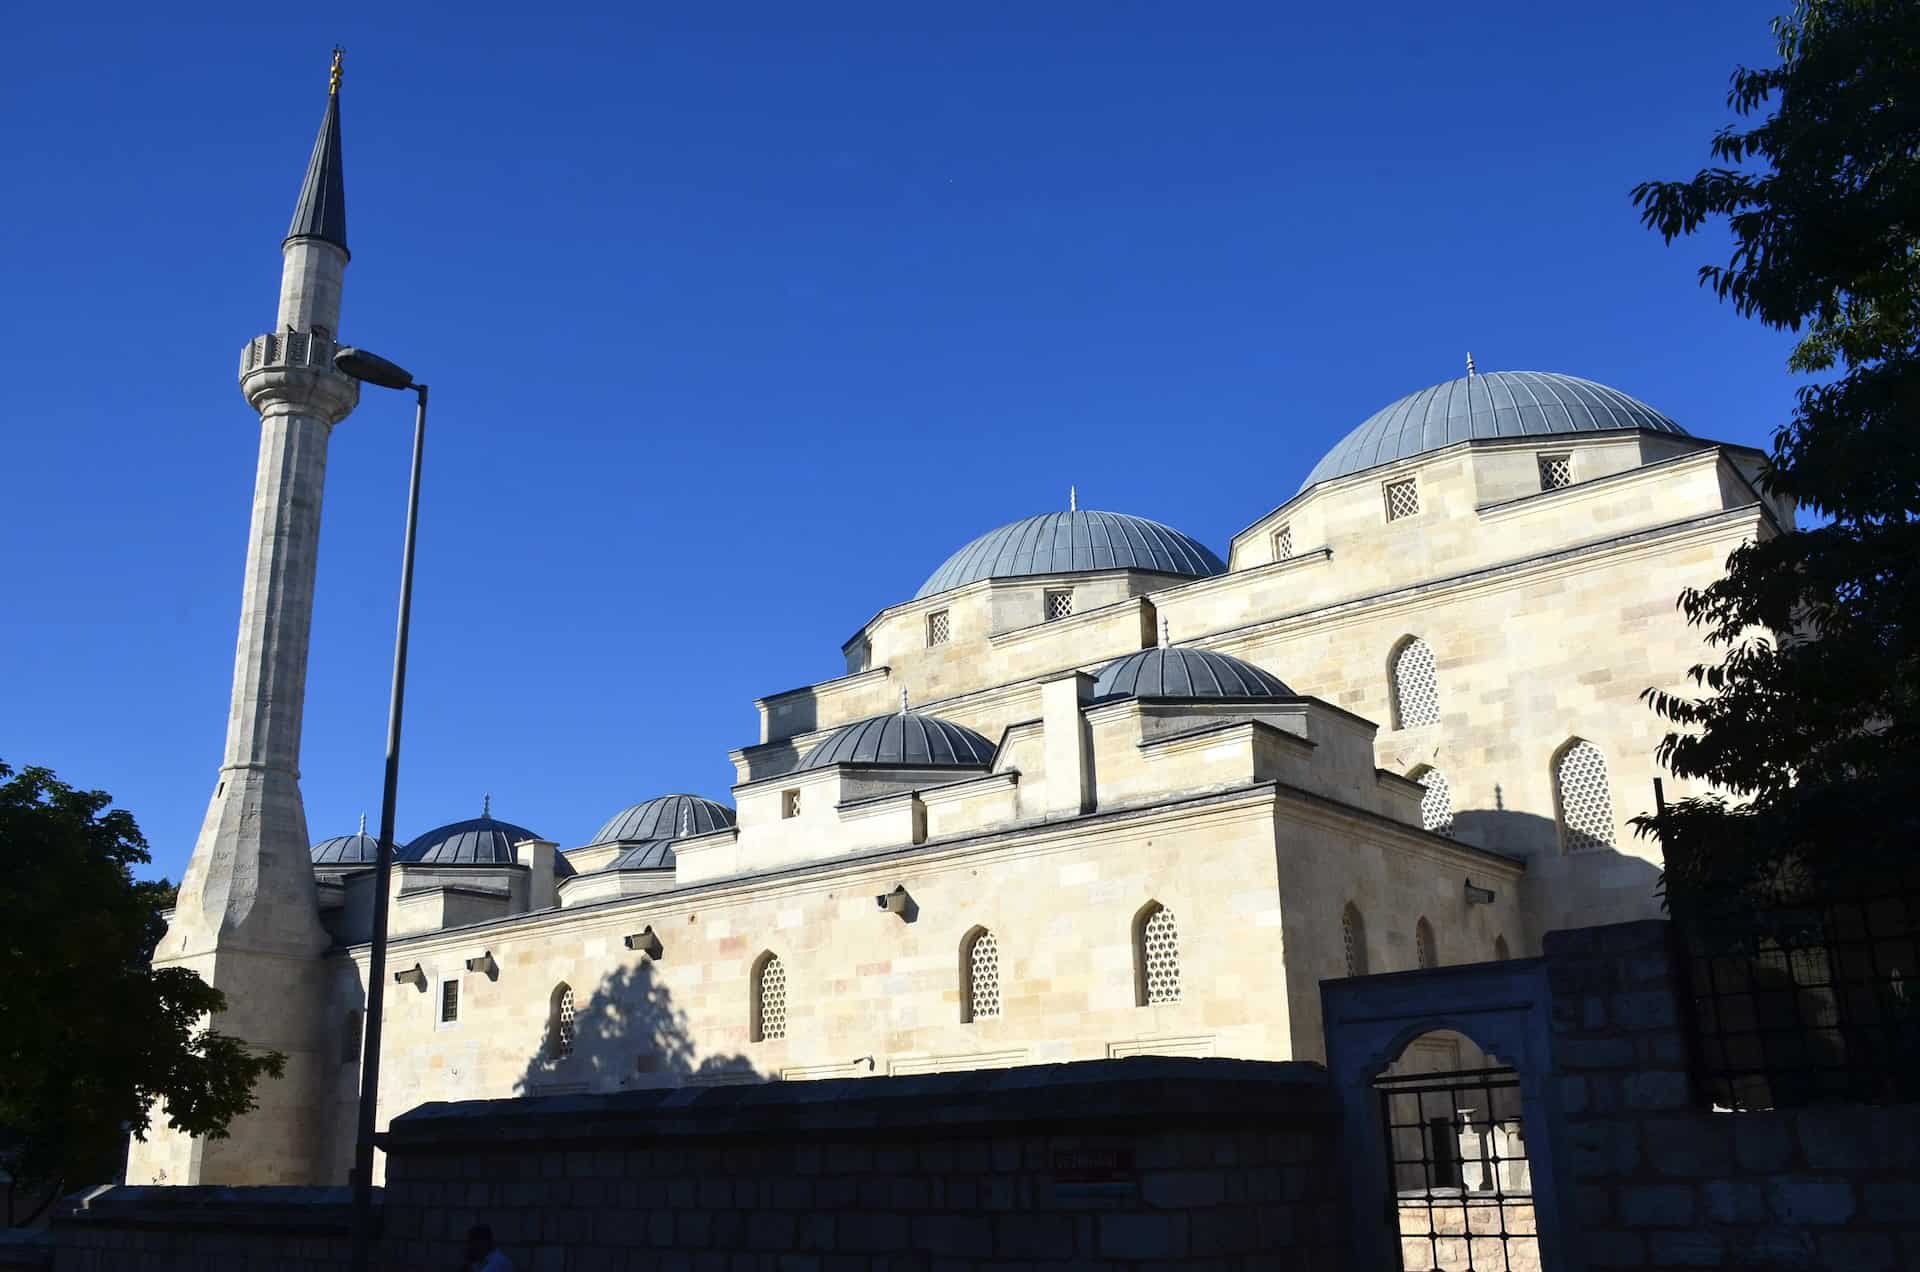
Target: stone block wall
(1115, 1164)
(187, 1229)
(1660, 1182)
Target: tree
(91, 1035)
(1811, 718)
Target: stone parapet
(295, 368)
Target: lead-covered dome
(905, 739)
(347, 850)
(665, 817)
(1064, 542)
(482, 841)
(1489, 405)
(1185, 673)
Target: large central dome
(1477, 407)
(1063, 542)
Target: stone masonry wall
(1661, 1183)
(1118, 1164)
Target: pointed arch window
(1353, 935)
(560, 1023)
(1581, 797)
(769, 998)
(1156, 956)
(1436, 806)
(981, 970)
(1424, 949)
(1415, 690)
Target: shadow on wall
(1592, 886)
(624, 1034)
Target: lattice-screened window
(1580, 789)
(1283, 542)
(1416, 691)
(560, 1028)
(1353, 934)
(939, 627)
(449, 1001)
(983, 977)
(1060, 604)
(350, 1036)
(1424, 950)
(1403, 499)
(1500, 952)
(1436, 806)
(1159, 955)
(1556, 471)
(770, 1000)
(790, 803)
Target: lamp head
(371, 368)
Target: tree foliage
(1811, 718)
(90, 1034)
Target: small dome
(1065, 542)
(347, 850)
(905, 739)
(1491, 405)
(665, 817)
(483, 841)
(651, 854)
(1185, 673)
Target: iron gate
(1461, 1194)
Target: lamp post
(365, 367)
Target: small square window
(1060, 604)
(1403, 499)
(1556, 471)
(939, 628)
(1283, 543)
(449, 1001)
(789, 803)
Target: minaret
(247, 919)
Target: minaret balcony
(295, 368)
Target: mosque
(1095, 789)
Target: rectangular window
(1556, 471)
(939, 628)
(449, 1001)
(1060, 604)
(1403, 499)
(1283, 542)
(789, 803)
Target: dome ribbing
(905, 739)
(1185, 673)
(1065, 542)
(665, 817)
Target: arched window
(1580, 797)
(1423, 947)
(350, 1036)
(1436, 806)
(1416, 695)
(769, 998)
(980, 977)
(1500, 953)
(1353, 934)
(560, 1023)
(1156, 956)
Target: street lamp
(370, 369)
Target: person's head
(479, 1241)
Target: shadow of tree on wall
(626, 1034)
(1535, 839)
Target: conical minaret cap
(321, 212)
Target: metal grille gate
(1461, 1194)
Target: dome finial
(903, 701)
(333, 76)
(363, 823)
(1166, 633)
(1073, 499)
(486, 805)
(1469, 362)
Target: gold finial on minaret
(333, 77)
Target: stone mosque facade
(1094, 790)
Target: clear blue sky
(736, 329)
